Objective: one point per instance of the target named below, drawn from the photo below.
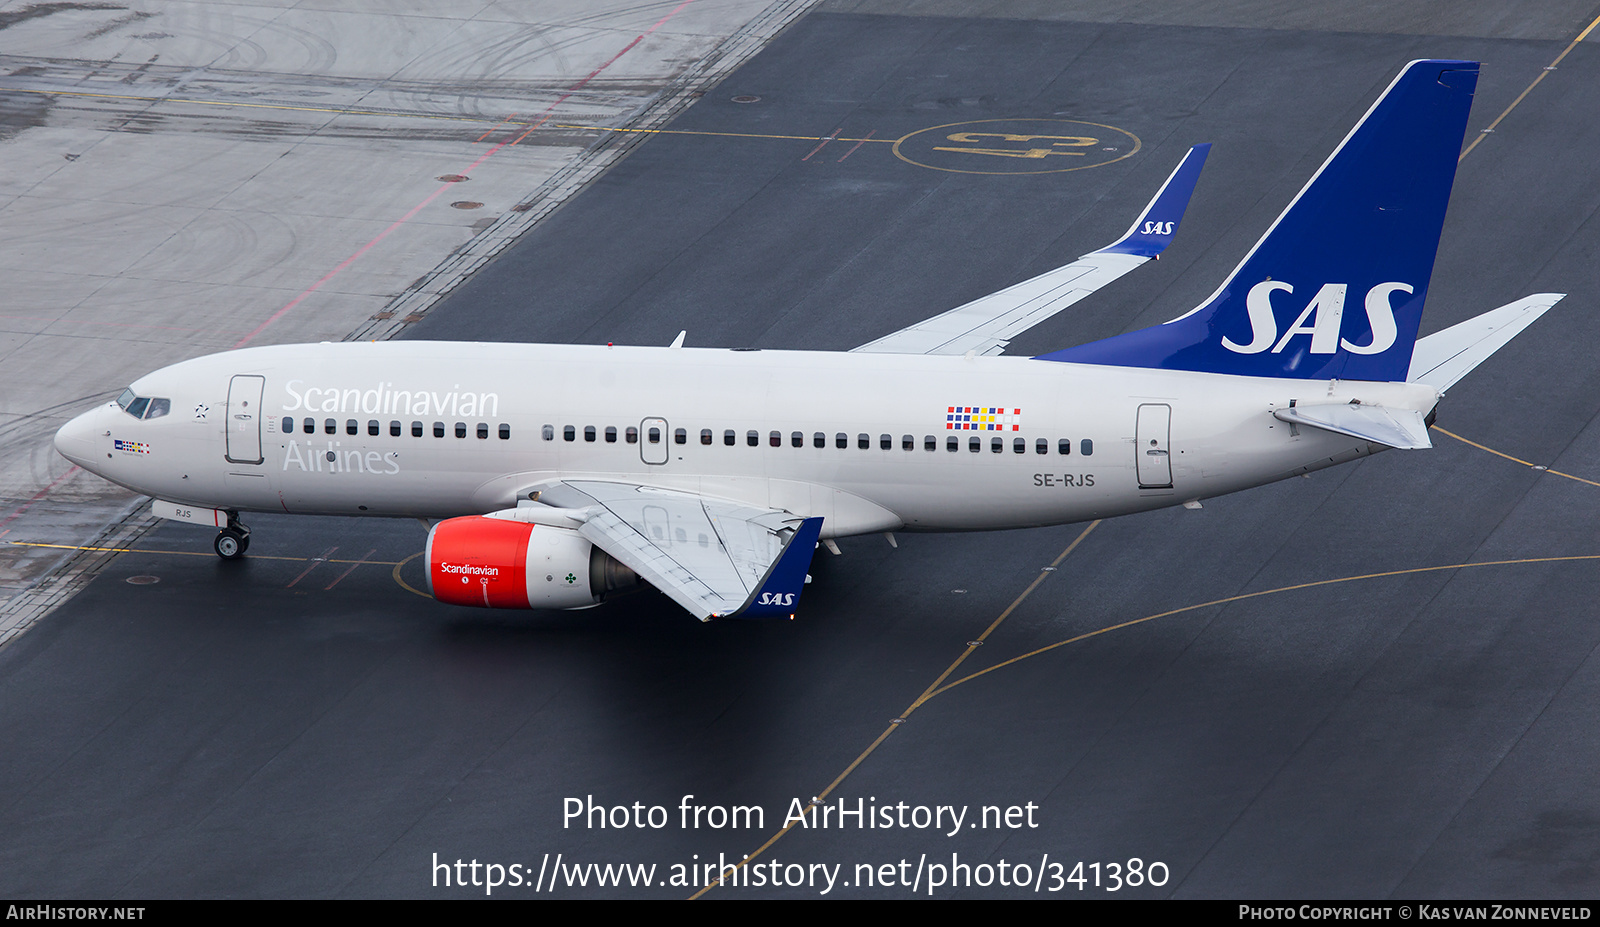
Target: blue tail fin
(1335, 287)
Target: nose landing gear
(231, 542)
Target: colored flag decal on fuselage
(982, 418)
(132, 447)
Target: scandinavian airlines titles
(1321, 319)
(385, 399)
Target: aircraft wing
(716, 558)
(986, 325)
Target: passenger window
(908, 443)
(352, 427)
(331, 426)
(798, 439)
(654, 435)
(288, 425)
(753, 438)
(997, 445)
(680, 436)
(841, 440)
(483, 430)
(589, 434)
(1041, 446)
(505, 432)
(1064, 446)
(549, 432)
(632, 435)
(461, 429)
(373, 428)
(569, 433)
(611, 434)
(311, 426)
(885, 442)
(394, 429)
(930, 443)
(438, 429)
(864, 441)
(705, 436)
(1086, 446)
(819, 440)
(952, 444)
(158, 408)
(728, 437)
(776, 439)
(416, 429)
(1019, 445)
(974, 444)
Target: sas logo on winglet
(784, 599)
(1321, 319)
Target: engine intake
(499, 563)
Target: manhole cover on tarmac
(144, 580)
(466, 204)
(452, 178)
(746, 98)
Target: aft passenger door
(653, 447)
(1153, 435)
(244, 419)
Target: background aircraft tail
(1335, 288)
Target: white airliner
(567, 472)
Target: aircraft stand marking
(937, 689)
(929, 692)
(1548, 68)
(1016, 146)
(1532, 466)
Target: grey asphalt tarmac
(1363, 718)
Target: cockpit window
(143, 406)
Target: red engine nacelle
(500, 563)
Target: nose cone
(76, 439)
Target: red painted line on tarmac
(494, 129)
(822, 144)
(38, 495)
(858, 145)
(315, 562)
(351, 570)
(435, 194)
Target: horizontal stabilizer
(986, 325)
(1398, 428)
(1444, 357)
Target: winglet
(779, 592)
(1154, 229)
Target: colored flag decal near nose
(1364, 229)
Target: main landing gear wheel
(231, 543)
